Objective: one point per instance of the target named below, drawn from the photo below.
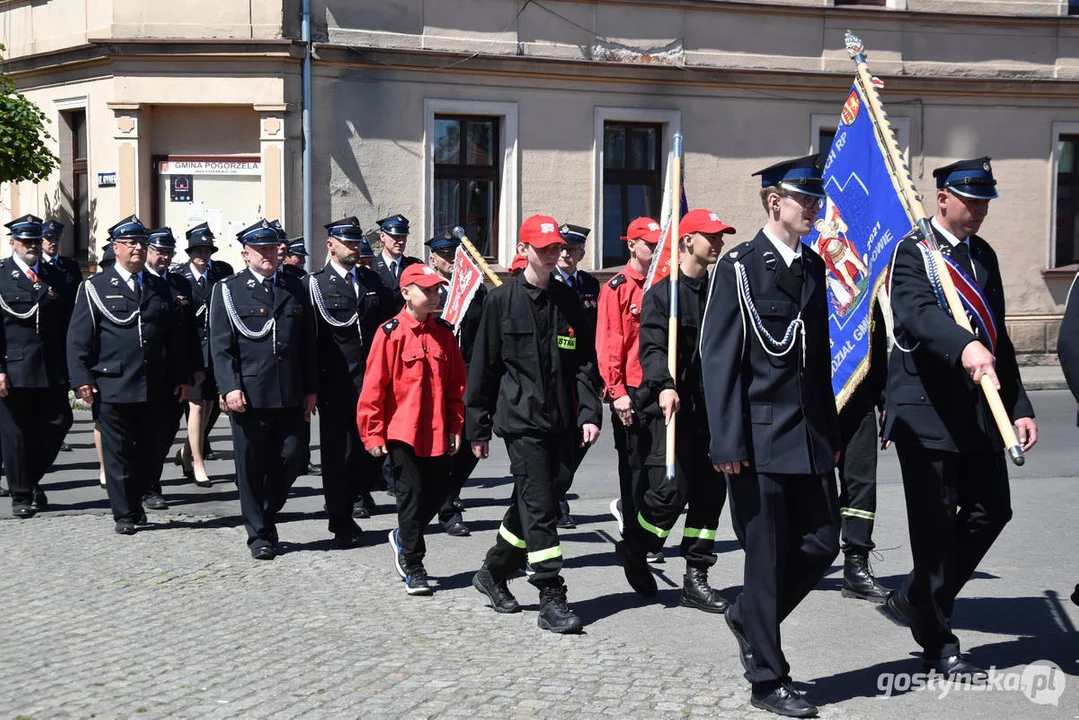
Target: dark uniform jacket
(777, 412)
(930, 397)
(533, 366)
(185, 312)
(200, 300)
(655, 312)
(33, 351)
(387, 277)
(296, 271)
(342, 351)
(470, 323)
(271, 376)
(102, 353)
(1068, 342)
(587, 287)
(72, 274)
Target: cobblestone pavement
(179, 621)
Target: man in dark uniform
(125, 344)
(201, 273)
(262, 343)
(393, 233)
(161, 247)
(766, 365)
(694, 483)
(955, 476)
(34, 411)
(350, 303)
(52, 230)
(366, 254)
(532, 381)
(858, 469)
(443, 253)
(1068, 353)
(295, 257)
(587, 288)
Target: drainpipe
(305, 35)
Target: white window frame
(890, 4)
(509, 198)
(901, 125)
(1059, 128)
(671, 120)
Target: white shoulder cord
(32, 312)
(95, 301)
(234, 318)
(320, 304)
(775, 348)
(708, 302)
(891, 278)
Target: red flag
(467, 278)
(661, 256)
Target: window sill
(1064, 271)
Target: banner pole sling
(672, 324)
(908, 195)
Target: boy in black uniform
(532, 381)
(766, 366)
(695, 481)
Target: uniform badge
(985, 166)
(250, 283)
(733, 254)
(114, 282)
(15, 274)
(37, 286)
(633, 309)
(333, 278)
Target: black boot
(502, 600)
(554, 613)
(638, 574)
(858, 580)
(697, 593)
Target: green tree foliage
(23, 152)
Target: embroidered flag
(661, 256)
(862, 222)
(467, 278)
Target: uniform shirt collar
(260, 277)
(154, 272)
(563, 275)
(51, 259)
(952, 239)
(631, 273)
(386, 258)
(23, 266)
(409, 322)
(342, 271)
(194, 271)
(784, 250)
(125, 275)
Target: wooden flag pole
(459, 233)
(908, 195)
(672, 324)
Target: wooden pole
(459, 233)
(674, 239)
(912, 202)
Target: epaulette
(616, 281)
(444, 323)
(738, 251)
(389, 327)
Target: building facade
(481, 112)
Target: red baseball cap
(644, 228)
(421, 275)
(520, 262)
(703, 221)
(541, 231)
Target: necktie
(355, 283)
(268, 284)
(396, 268)
(961, 255)
(571, 280)
(202, 282)
(31, 274)
(136, 286)
(798, 271)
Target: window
(466, 178)
(1066, 250)
(75, 181)
(878, 3)
(1073, 7)
(632, 186)
(824, 131)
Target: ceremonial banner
(863, 221)
(467, 278)
(661, 256)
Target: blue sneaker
(416, 582)
(398, 561)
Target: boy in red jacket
(411, 408)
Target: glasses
(133, 242)
(808, 202)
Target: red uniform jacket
(414, 386)
(617, 334)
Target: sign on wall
(106, 179)
(210, 167)
(180, 188)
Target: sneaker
(555, 614)
(398, 561)
(616, 510)
(416, 581)
(497, 591)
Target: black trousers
(346, 465)
(540, 468)
(421, 488)
(461, 466)
(957, 505)
(130, 436)
(167, 426)
(632, 444)
(695, 483)
(33, 424)
(858, 475)
(789, 528)
(571, 462)
(270, 452)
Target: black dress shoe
(784, 700)
(263, 551)
(458, 505)
(1075, 595)
(900, 611)
(745, 654)
(142, 519)
(4, 492)
(955, 667)
(187, 464)
(23, 510)
(360, 509)
(313, 469)
(458, 529)
(208, 454)
(155, 501)
(64, 447)
(40, 501)
(125, 527)
(566, 522)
